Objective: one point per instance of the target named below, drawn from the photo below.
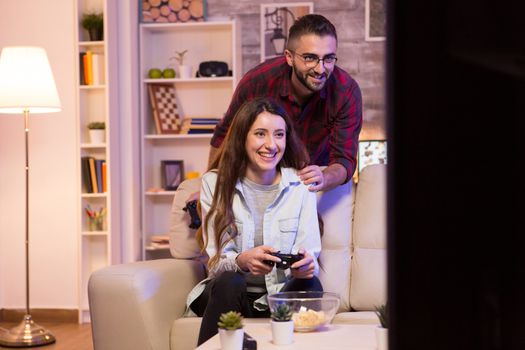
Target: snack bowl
(310, 310)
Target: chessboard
(164, 108)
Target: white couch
(140, 305)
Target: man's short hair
(311, 24)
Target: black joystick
(191, 207)
(286, 260)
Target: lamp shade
(26, 81)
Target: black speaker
(213, 69)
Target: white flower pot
(97, 135)
(231, 340)
(282, 332)
(382, 338)
(185, 72)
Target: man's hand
(253, 260)
(322, 180)
(305, 267)
(313, 177)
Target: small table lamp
(26, 85)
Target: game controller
(286, 260)
(191, 207)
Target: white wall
(53, 190)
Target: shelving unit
(97, 103)
(196, 97)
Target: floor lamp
(26, 86)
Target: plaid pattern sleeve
(329, 123)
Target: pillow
(183, 244)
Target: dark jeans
(227, 292)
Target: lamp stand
(27, 333)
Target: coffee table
(332, 337)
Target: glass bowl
(310, 310)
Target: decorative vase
(95, 34)
(97, 135)
(282, 332)
(382, 338)
(185, 72)
(231, 340)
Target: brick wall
(364, 60)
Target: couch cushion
(182, 238)
(368, 280)
(335, 207)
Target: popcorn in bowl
(310, 310)
(308, 318)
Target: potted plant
(94, 24)
(282, 325)
(231, 330)
(184, 70)
(382, 330)
(97, 132)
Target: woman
(253, 203)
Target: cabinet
(97, 102)
(196, 97)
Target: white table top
(333, 337)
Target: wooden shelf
(196, 97)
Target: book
(98, 169)
(200, 131)
(88, 64)
(98, 68)
(81, 68)
(86, 176)
(201, 121)
(93, 174)
(104, 177)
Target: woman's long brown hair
(231, 163)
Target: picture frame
(276, 20)
(375, 20)
(371, 152)
(172, 174)
(164, 109)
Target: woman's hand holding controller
(305, 267)
(253, 260)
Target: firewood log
(184, 15)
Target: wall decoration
(172, 174)
(375, 20)
(164, 11)
(164, 108)
(371, 152)
(276, 20)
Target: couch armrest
(133, 305)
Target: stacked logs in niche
(164, 11)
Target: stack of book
(91, 68)
(94, 175)
(198, 125)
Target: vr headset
(213, 69)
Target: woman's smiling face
(265, 145)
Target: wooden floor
(69, 336)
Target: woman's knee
(229, 282)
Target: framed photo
(172, 174)
(375, 20)
(276, 20)
(164, 108)
(371, 152)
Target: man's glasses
(311, 61)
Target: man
(322, 99)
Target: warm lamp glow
(26, 81)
